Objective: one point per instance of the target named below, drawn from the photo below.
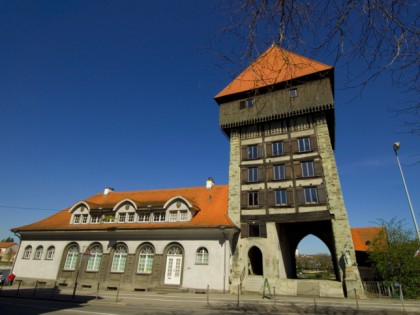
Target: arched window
(72, 257)
(202, 257)
(38, 252)
(50, 253)
(27, 253)
(120, 258)
(146, 259)
(95, 257)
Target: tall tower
(283, 181)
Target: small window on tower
(249, 102)
(293, 92)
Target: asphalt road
(145, 303)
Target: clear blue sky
(120, 93)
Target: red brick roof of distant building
(7, 244)
(212, 205)
(363, 236)
(275, 65)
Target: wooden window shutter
(288, 171)
(244, 199)
(269, 172)
(244, 230)
(298, 169)
(244, 175)
(300, 196)
(289, 196)
(261, 173)
(260, 150)
(314, 143)
(322, 195)
(286, 147)
(244, 153)
(242, 104)
(269, 149)
(295, 147)
(263, 230)
(261, 198)
(271, 198)
(318, 168)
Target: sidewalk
(246, 302)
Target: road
(147, 303)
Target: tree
(380, 36)
(8, 239)
(394, 256)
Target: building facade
(138, 240)
(283, 180)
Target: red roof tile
(6, 244)
(363, 236)
(275, 65)
(212, 205)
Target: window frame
(304, 144)
(280, 197)
(119, 259)
(307, 168)
(281, 171)
(38, 252)
(310, 195)
(252, 174)
(72, 257)
(253, 199)
(49, 255)
(144, 217)
(94, 261)
(252, 152)
(159, 216)
(202, 256)
(275, 148)
(146, 258)
(27, 253)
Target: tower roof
(275, 65)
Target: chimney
(209, 183)
(108, 190)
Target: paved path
(151, 302)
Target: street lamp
(396, 148)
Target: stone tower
(283, 181)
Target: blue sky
(120, 93)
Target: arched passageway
(255, 261)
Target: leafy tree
(394, 256)
(8, 239)
(377, 36)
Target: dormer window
(144, 217)
(76, 219)
(121, 217)
(85, 218)
(159, 216)
(95, 219)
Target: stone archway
(255, 261)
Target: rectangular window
(253, 198)
(173, 216)
(249, 102)
(159, 216)
(131, 217)
(307, 169)
(252, 174)
(304, 144)
(293, 92)
(252, 152)
(85, 218)
(183, 215)
(121, 217)
(144, 217)
(310, 195)
(76, 218)
(281, 197)
(253, 230)
(95, 219)
(277, 148)
(279, 172)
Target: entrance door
(173, 265)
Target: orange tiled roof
(363, 236)
(275, 65)
(211, 203)
(6, 244)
